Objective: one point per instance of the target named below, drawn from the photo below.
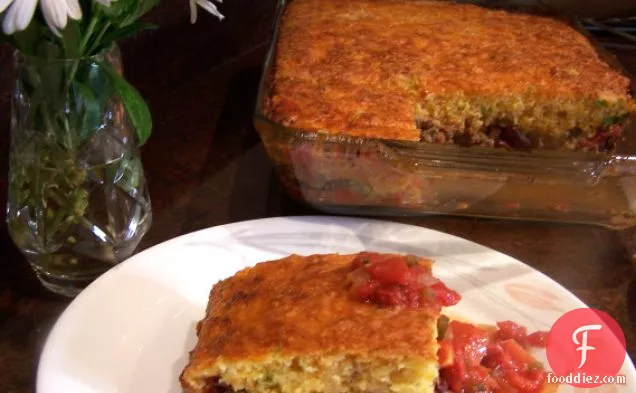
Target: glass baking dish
(365, 176)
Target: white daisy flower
(56, 13)
(206, 5)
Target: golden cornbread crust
(443, 73)
(301, 307)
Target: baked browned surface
(301, 308)
(436, 71)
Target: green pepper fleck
(442, 326)
(601, 104)
(611, 120)
(411, 260)
(480, 387)
(535, 366)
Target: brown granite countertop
(206, 166)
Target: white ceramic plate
(131, 330)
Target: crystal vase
(78, 202)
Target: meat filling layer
(504, 134)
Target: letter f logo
(583, 344)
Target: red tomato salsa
(394, 280)
(477, 360)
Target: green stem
(37, 198)
(99, 37)
(85, 40)
(83, 52)
(69, 138)
(80, 220)
(89, 33)
(48, 123)
(55, 226)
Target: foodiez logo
(586, 348)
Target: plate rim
(79, 300)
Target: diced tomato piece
(398, 281)
(492, 362)
(504, 387)
(521, 382)
(518, 370)
(538, 375)
(445, 296)
(419, 270)
(412, 297)
(472, 340)
(480, 380)
(511, 330)
(518, 354)
(365, 291)
(494, 357)
(393, 271)
(537, 339)
(445, 353)
(459, 363)
(464, 330)
(389, 296)
(455, 375)
(464, 375)
(365, 259)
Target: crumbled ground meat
(442, 387)
(214, 386)
(505, 135)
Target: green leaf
(26, 41)
(48, 76)
(71, 39)
(47, 50)
(122, 13)
(134, 103)
(91, 108)
(93, 88)
(117, 10)
(99, 82)
(123, 32)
